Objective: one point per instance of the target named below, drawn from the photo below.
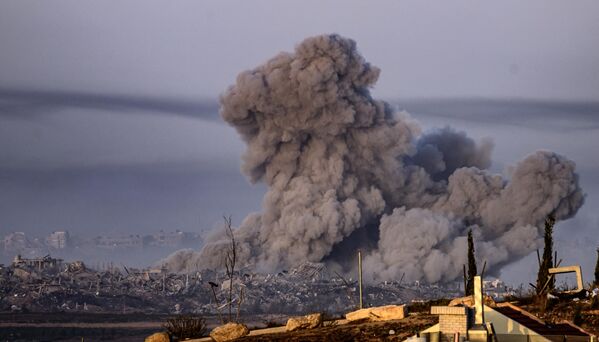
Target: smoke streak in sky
(344, 171)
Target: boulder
(158, 337)
(379, 313)
(229, 332)
(304, 322)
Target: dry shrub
(185, 326)
(595, 302)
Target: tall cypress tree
(471, 266)
(597, 269)
(544, 285)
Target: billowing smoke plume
(430, 243)
(344, 171)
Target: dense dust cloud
(345, 171)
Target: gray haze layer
(344, 171)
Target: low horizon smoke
(345, 172)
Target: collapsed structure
(346, 172)
(310, 287)
(43, 263)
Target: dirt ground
(566, 310)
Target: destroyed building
(16, 240)
(59, 240)
(19, 243)
(110, 242)
(309, 287)
(173, 239)
(44, 263)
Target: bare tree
(230, 260)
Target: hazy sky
(108, 115)
(540, 49)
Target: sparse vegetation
(595, 303)
(577, 316)
(184, 326)
(581, 313)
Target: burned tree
(230, 261)
(546, 282)
(471, 266)
(213, 286)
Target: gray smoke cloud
(344, 171)
(442, 152)
(506, 218)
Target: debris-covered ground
(125, 302)
(131, 303)
(75, 288)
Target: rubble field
(129, 303)
(73, 288)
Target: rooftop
(537, 325)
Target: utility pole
(360, 276)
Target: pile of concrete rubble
(307, 288)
